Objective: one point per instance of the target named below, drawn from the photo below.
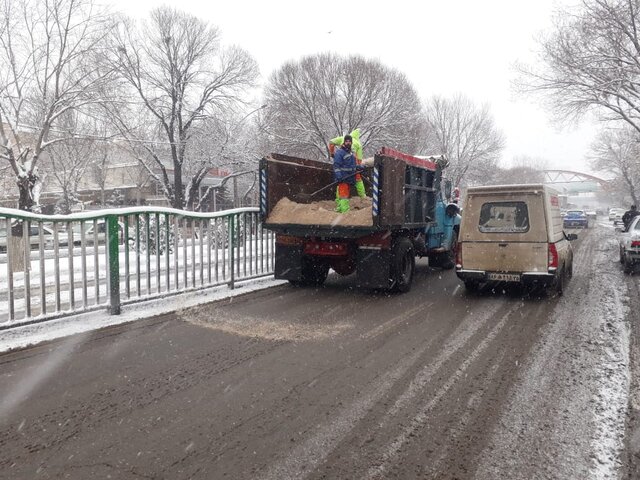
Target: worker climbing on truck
(357, 149)
(345, 169)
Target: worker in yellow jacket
(357, 149)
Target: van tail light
(635, 243)
(553, 256)
(459, 255)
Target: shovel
(306, 197)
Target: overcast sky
(444, 47)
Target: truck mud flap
(373, 268)
(288, 263)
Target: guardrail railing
(57, 265)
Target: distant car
(563, 213)
(575, 219)
(34, 237)
(630, 246)
(615, 215)
(592, 214)
(89, 234)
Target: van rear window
(504, 217)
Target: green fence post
(113, 264)
(232, 251)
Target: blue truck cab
(442, 234)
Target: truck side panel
(407, 193)
(288, 176)
(391, 190)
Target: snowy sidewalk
(21, 337)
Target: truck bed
(401, 188)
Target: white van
(513, 233)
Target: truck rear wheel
(403, 264)
(449, 258)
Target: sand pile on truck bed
(322, 213)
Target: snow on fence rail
(57, 265)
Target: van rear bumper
(538, 278)
(526, 278)
(472, 275)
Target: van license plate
(504, 277)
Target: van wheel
(560, 282)
(627, 266)
(570, 270)
(403, 264)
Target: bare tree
(591, 61)
(466, 134)
(48, 69)
(323, 96)
(231, 145)
(182, 77)
(69, 162)
(101, 159)
(617, 152)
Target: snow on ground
(21, 337)
(566, 415)
(613, 379)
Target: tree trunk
(178, 193)
(25, 189)
(17, 248)
(25, 202)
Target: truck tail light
(459, 255)
(553, 256)
(288, 240)
(635, 243)
(377, 241)
(329, 249)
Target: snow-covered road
(339, 382)
(566, 416)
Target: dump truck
(406, 215)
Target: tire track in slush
(302, 460)
(393, 450)
(565, 417)
(472, 406)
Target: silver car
(34, 237)
(615, 215)
(630, 246)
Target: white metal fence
(57, 265)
